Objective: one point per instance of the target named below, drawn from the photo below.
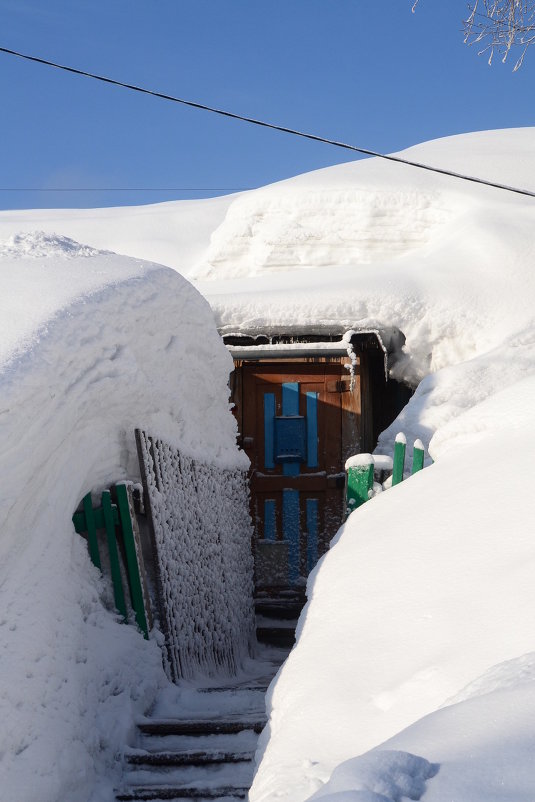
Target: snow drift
(93, 345)
(429, 587)
(175, 233)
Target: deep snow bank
(93, 345)
(428, 586)
(485, 742)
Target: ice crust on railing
(204, 565)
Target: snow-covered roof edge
(263, 343)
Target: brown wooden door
(292, 433)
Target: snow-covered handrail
(360, 485)
(116, 518)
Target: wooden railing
(197, 531)
(360, 469)
(114, 544)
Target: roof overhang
(291, 343)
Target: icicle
(346, 339)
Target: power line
(272, 126)
(126, 189)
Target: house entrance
(302, 409)
(291, 427)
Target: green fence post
(91, 531)
(418, 456)
(131, 558)
(115, 567)
(359, 480)
(399, 458)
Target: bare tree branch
(499, 26)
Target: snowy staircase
(276, 618)
(199, 743)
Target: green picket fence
(113, 525)
(360, 471)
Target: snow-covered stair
(276, 618)
(199, 743)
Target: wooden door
(292, 432)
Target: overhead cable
(125, 189)
(272, 126)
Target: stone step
(244, 741)
(276, 635)
(200, 726)
(279, 608)
(188, 781)
(187, 758)
(159, 793)
(202, 746)
(261, 687)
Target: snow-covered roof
(292, 342)
(363, 245)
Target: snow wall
(93, 345)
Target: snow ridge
(267, 231)
(39, 245)
(381, 776)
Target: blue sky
(372, 74)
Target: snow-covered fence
(360, 486)
(201, 535)
(116, 520)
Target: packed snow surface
(175, 234)
(384, 776)
(366, 244)
(438, 572)
(413, 670)
(93, 345)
